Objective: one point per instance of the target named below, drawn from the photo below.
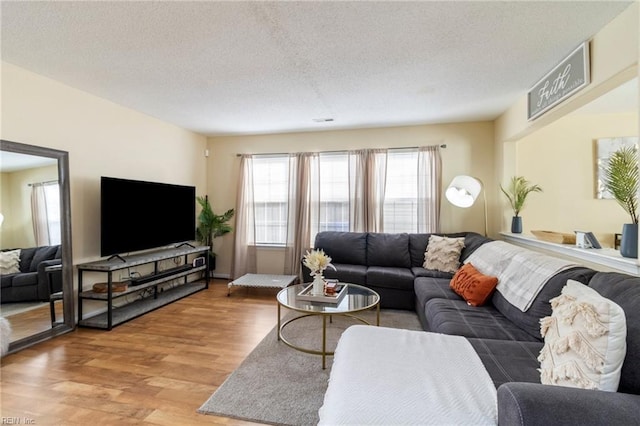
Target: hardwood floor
(156, 369)
(33, 321)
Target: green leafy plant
(620, 177)
(517, 191)
(211, 225)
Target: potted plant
(211, 225)
(620, 177)
(517, 191)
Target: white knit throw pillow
(443, 253)
(584, 340)
(9, 262)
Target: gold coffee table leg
(324, 342)
(278, 322)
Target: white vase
(318, 285)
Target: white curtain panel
(244, 250)
(39, 215)
(429, 189)
(367, 181)
(303, 187)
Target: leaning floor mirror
(36, 268)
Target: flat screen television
(138, 215)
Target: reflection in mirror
(35, 247)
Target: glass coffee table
(357, 299)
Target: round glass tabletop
(357, 298)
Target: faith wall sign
(569, 76)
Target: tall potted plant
(211, 225)
(517, 191)
(620, 177)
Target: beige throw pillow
(9, 262)
(443, 253)
(584, 340)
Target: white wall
(561, 158)
(102, 138)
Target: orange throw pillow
(473, 286)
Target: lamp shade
(463, 191)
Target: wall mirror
(35, 243)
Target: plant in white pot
(517, 191)
(620, 177)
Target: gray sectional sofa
(386, 263)
(507, 340)
(32, 282)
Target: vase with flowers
(317, 261)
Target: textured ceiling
(221, 68)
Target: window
(270, 192)
(334, 192)
(331, 202)
(401, 192)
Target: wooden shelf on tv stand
(117, 315)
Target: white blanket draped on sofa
(521, 273)
(389, 376)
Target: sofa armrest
(43, 279)
(536, 404)
(305, 272)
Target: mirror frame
(69, 322)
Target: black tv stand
(147, 292)
(184, 244)
(156, 276)
(117, 256)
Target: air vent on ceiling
(322, 120)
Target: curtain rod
(48, 182)
(331, 152)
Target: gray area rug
(279, 385)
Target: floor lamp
(463, 192)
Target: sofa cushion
(6, 280)
(388, 277)
(625, 291)
(472, 241)
(388, 250)
(456, 317)
(356, 274)
(42, 254)
(25, 279)
(343, 247)
(417, 247)
(419, 271)
(540, 308)
(443, 253)
(26, 256)
(427, 288)
(508, 360)
(584, 340)
(10, 262)
(475, 288)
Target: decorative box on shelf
(307, 294)
(555, 237)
